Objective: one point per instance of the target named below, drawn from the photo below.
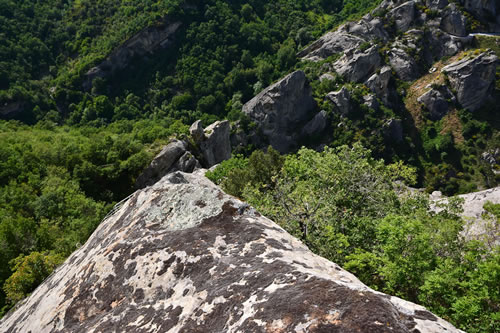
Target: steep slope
(182, 256)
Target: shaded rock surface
(146, 41)
(214, 141)
(437, 101)
(357, 66)
(341, 100)
(163, 163)
(182, 256)
(472, 78)
(282, 108)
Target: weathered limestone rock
(371, 101)
(436, 4)
(357, 66)
(331, 43)
(216, 145)
(379, 84)
(341, 99)
(394, 130)
(472, 78)
(196, 131)
(487, 11)
(436, 100)
(317, 125)
(182, 256)
(144, 42)
(281, 108)
(473, 211)
(11, 110)
(162, 164)
(404, 65)
(454, 22)
(491, 157)
(403, 15)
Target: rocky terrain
(399, 41)
(478, 226)
(182, 256)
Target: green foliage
(57, 184)
(29, 272)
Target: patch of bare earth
(452, 124)
(420, 87)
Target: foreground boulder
(182, 256)
(281, 108)
(473, 78)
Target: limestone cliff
(182, 256)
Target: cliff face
(182, 256)
(146, 41)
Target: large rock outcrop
(182, 256)
(472, 78)
(146, 41)
(173, 157)
(281, 109)
(478, 225)
(213, 142)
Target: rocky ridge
(398, 41)
(182, 256)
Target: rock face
(173, 157)
(144, 42)
(281, 108)
(437, 101)
(486, 11)
(11, 110)
(182, 256)
(473, 210)
(472, 78)
(357, 66)
(453, 22)
(214, 142)
(341, 100)
(317, 125)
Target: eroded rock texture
(282, 109)
(473, 78)
(181, 256)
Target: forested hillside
(92, 90)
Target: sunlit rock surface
(182, 256)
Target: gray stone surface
(146, 41)
(161, 164)
(341, 100)
(182, 256)
(403, 15)
(453, 22)
(438, 101)
(379, 84)
(317, 125)
(215, 146)
(282, 108)
(357, 66)
(404, 64)
(477, 226)
(196, 131)
(472, 78)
